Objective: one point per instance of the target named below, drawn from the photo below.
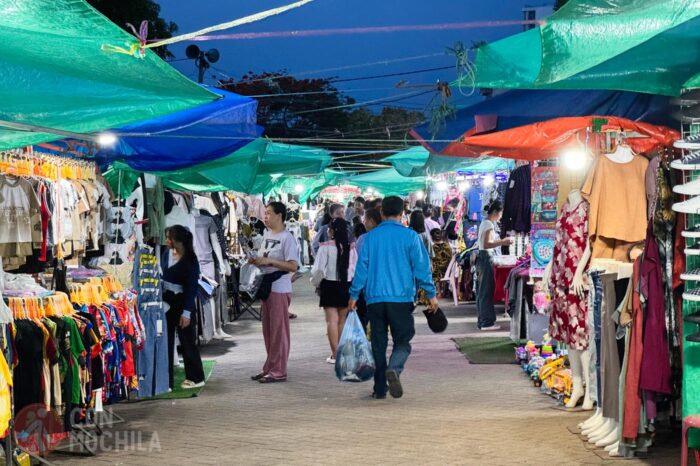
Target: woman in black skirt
(332, 273)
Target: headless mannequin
(578, 359)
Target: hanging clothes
(567, 322)
(655, 373)
(610, 186)
(517, 205)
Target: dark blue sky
(314, 53)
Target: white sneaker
(691, 206)
(693, 232)
(691, 275)
(688, 142)
(492, 328)
(692, 250)
(691, 188)
(690, 161)
(330, 360)
(692, 295)
(188, 384)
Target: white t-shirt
(485, 226)
(283, 247)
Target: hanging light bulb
(441, 185)
(464, 186)
(574, 159)
(489, 180)
(106, 139)
(420, 195)
(298, 188)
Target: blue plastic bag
(354, 361)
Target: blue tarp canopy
(417, 161)
(516, 108)
(188, 137)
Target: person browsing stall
(489, 245)
(180, 284)
(278, 255)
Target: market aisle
(452, 412)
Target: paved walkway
(452, 412)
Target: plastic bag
(354, 361)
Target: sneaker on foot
(395, 388)
(691, 206)
(188, 384)
(491, 328)
(330, 360)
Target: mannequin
(578, 359)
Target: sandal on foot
(258, 376)
(269, 379)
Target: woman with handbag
(279, 253)
(332, 273)
(180, 284)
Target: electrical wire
(404, 73)
(368, 102)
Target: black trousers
(194, 370)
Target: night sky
(300, 55)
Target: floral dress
(567, 321)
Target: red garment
(127, 367)
(633, 396)
(655, 373)
(500, 276)
(567, 321)
(45, 216)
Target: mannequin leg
(591, 420)
(577, 391)
(615, 451)
(609, 426)
(596, 429)
(614, 446)
(594, 426)
(585, 367)
(611, 438)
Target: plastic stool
(689, 422)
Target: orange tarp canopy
(547, 139)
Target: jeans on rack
(593, 321)
(152, 363)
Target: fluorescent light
(464, 186)
(298, 188)
(106, 139)
(420, 195)
(574, 159)
(489, 180)
(441, 185)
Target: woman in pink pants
(279, 252)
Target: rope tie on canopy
(138, 49)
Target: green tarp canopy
(648, 46)
(417, 161)
(253, 169)
(55, 74)
(307, 187)
(387, 182)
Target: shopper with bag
(279, 253)
(391, 261)
(332, 273)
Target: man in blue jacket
(392, 260)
